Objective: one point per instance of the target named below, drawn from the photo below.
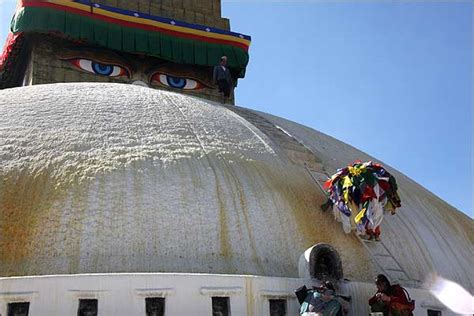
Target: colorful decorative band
(10, 46)
(167, 23)
(101, 26)
(145, 21)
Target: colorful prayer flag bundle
(359, 195)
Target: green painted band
(126, 39)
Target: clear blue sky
(392, 78)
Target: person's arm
(398, 295)
(214, 75)
(229, 78)
(327, 297)
(374, 299)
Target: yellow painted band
(142, 21)
(71, 4)
(166, 26)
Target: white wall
(124, 294)
(186, 294)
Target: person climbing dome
(391, 300)
(223, 79)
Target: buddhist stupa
(126, 188)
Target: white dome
(120, 178)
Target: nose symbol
(140, 83)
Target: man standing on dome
(223, 79)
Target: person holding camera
(391, 300)
(321, 300)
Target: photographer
(321, 300)
(391, 300)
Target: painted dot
(208, 29)
(173, 22)
(96, 5)
(241, 36)
(136, 15)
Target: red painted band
(133, 25)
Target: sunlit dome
(118, 178)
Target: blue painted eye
(102, 69)
(99, 68)
(177, 82)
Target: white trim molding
(12, 297)
(277, 294)
(220, 291)
(432, 305)
(87, 294)
(158, 292)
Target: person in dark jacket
(391, 300)
(223, 79)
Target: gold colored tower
(207, 12)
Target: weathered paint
(185, 294)
(152, 181)
(426, 235)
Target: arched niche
(322, 262)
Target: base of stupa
(177, 293)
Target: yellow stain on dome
(24, 199)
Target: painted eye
(100, 69)
(177, 82)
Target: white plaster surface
(427, 235)
(120, 178)
(107, 178)
(185, 294)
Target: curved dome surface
(119, 178)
